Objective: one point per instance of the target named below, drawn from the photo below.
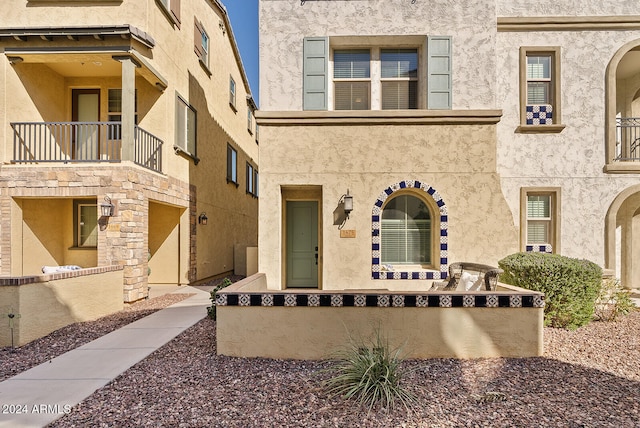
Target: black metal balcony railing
(628, 139)
(36, 142)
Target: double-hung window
(185, 127)
(399, 78)
(540, 219)
(201, 43)
(352, 79)
(377, 73)
(540, 89)
(232, 93)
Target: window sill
(539, 129)
(233, 107)
(230, 181)
(179, 151)
(76, 248)
(622, 168)
(205, 67)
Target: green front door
(302, 244)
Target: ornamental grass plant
(369, 374)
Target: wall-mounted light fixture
(346, 202)
(202, 219)
(107, 208)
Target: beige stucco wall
(320, 332)
(574, 158)
(46, 306)
(456, 160)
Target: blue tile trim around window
(376, 269)
(539, 249)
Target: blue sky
(244, 20)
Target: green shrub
(612, 301)
(371, 375)
(211, 310)
(571, 286)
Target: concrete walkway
(47, 392)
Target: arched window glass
(406, 231)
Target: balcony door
(85, 109)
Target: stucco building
(462, 130)
(139, 104)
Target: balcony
(627, 139)
(65, 142)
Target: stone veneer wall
(124, 240)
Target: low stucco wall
(314, 324)
(45, 303)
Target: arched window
(406, 231)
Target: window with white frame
(540, 219)
(399, 78)
(406, 231)
(540, 89)
(250, 120)
(186, 118)
(232, 165)
(377, 73)
(201, 43)
(232, 93)
(352, 79)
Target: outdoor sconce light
(107, 208)
(202, 219)
(347, 200)
(345, 204)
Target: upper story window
(232, 93)
(399, 78)
(115, 112)
(395, 78)
(171, 9)
(352, 79)
(540, 90)
(250, 120)
(201, 43)
(185, 127)
(382, 74)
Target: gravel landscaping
(587, 378)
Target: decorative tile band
(539, 249)
(377, 269)
(381, 300)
